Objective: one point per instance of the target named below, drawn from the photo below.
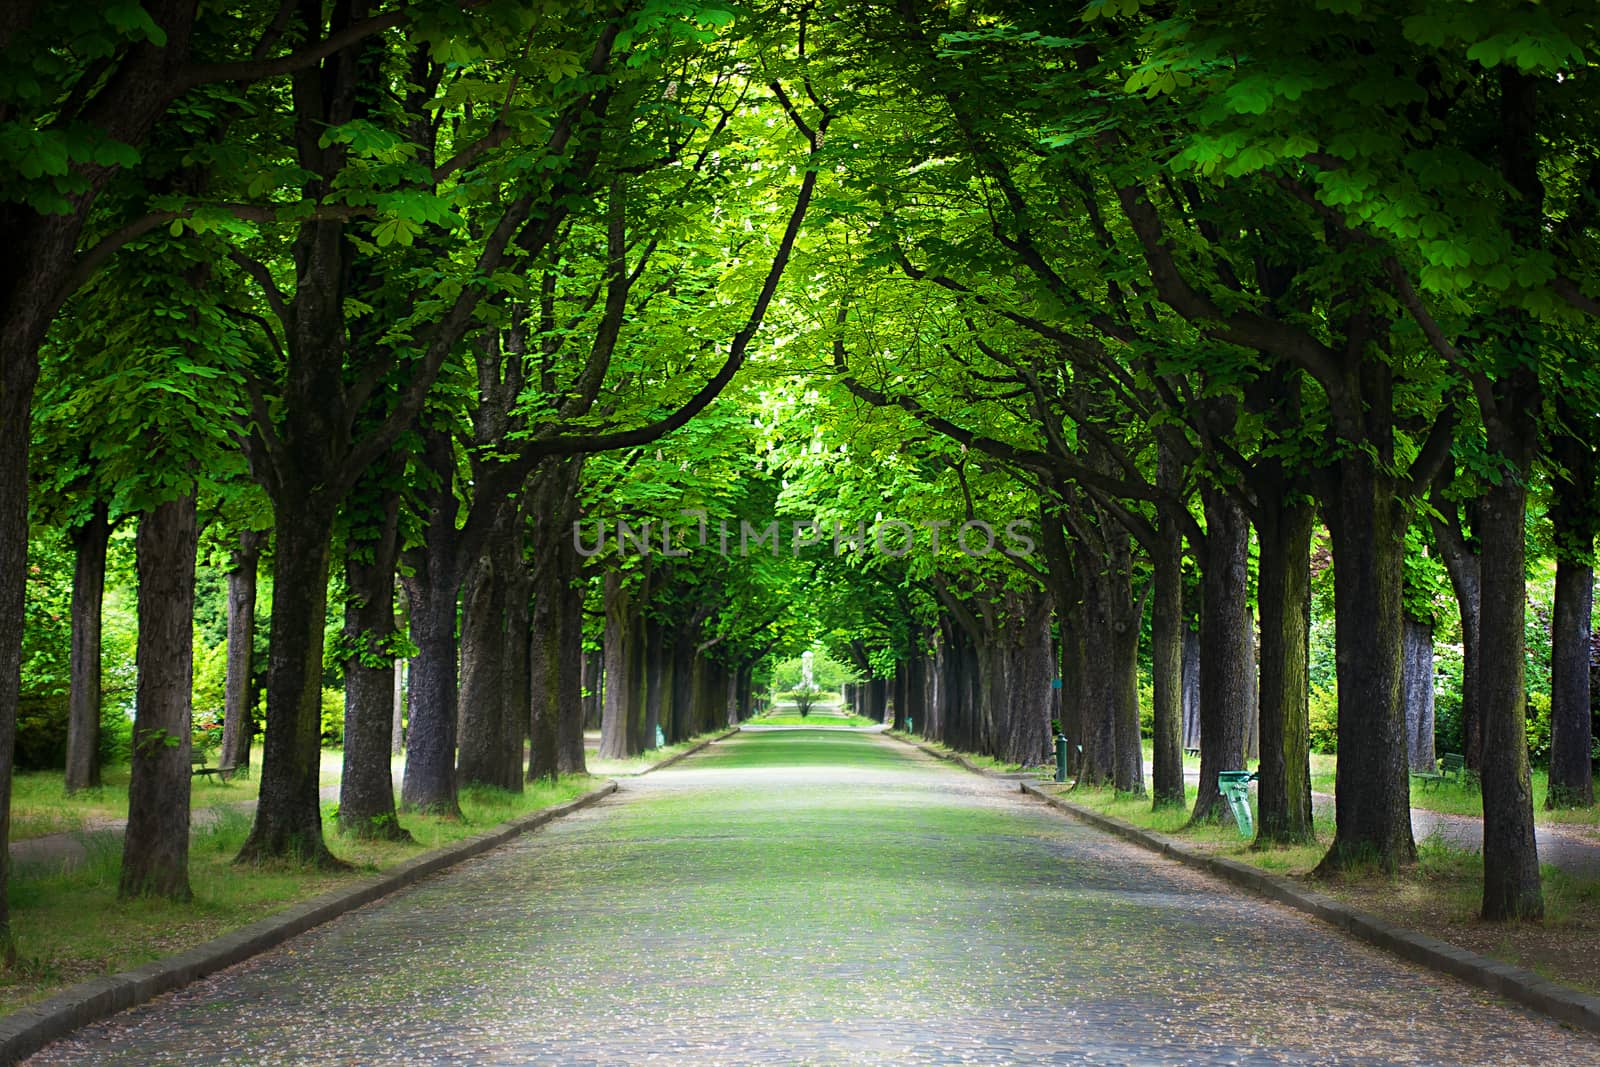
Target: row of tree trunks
(986, 684)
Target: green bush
(333, 717)
(1538, 727)
(1448, 733)
(1147, 710)
(1324, 720)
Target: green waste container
(1061, 759)
(1235, 787)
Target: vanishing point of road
(826, 897)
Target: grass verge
(70, 926)
(622, 768)
(40, 804)
(1439, 895)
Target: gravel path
(822, 897)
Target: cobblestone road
(831, 898)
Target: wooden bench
(1452, 767)
(199, 767)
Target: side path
(812, 896)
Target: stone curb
(26, 1031)
(686, 753)
(1561, 1003)
(1514, 983)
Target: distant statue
(805, 672)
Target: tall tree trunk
(1571, 717)
(516, 649)
(432, 588)
(1372, 802)
(571, 758)
(1284, 595)
(593, 687)
(617, 738)
(397, 730)
(1464, 565)
(657, 678)
(1511, 887)
(288, 818)
(430, 781)
(238, 723)
(1575, 514)
(366, 789)
(917, 687)
(899, 698)
(22, 328)
(1225, 651)
(681, 711)
(155, 850)
(1416, 693)
(482, 697)
(83, 702)
(1191, 688)
(1029, 732)
(1166, 668)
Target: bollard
(1235, 788)
(1061, 759)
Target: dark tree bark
(1575, 514)
(1464, 565)
(1028, 731)
(917, 687)
(1416, 693)
(1511, 888)
(617, 739)
(432, 588)
(430, 780)
(239, 694)
(89, 542)
(555, 624)
(1166, 648)
(657, 679)
(155, 851)
(288, 818)
(1367, 518)
(877, 698)
(1284, 595)
(899, 698)
(1571, 717)
(366, 789)
(1510, 854)
(1225, 651)
(593, 688)
(516, 715)
(1191, 688)
(482, 699)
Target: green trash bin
(1235, 787)
(1061, 759)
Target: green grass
(818, 719)
(622, 768)
(71, 926)
(40, 804)
(986, 762)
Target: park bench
(199, 767)
(1452, 767)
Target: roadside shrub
(1538, 727)
(333, 717)
(1324, 720)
